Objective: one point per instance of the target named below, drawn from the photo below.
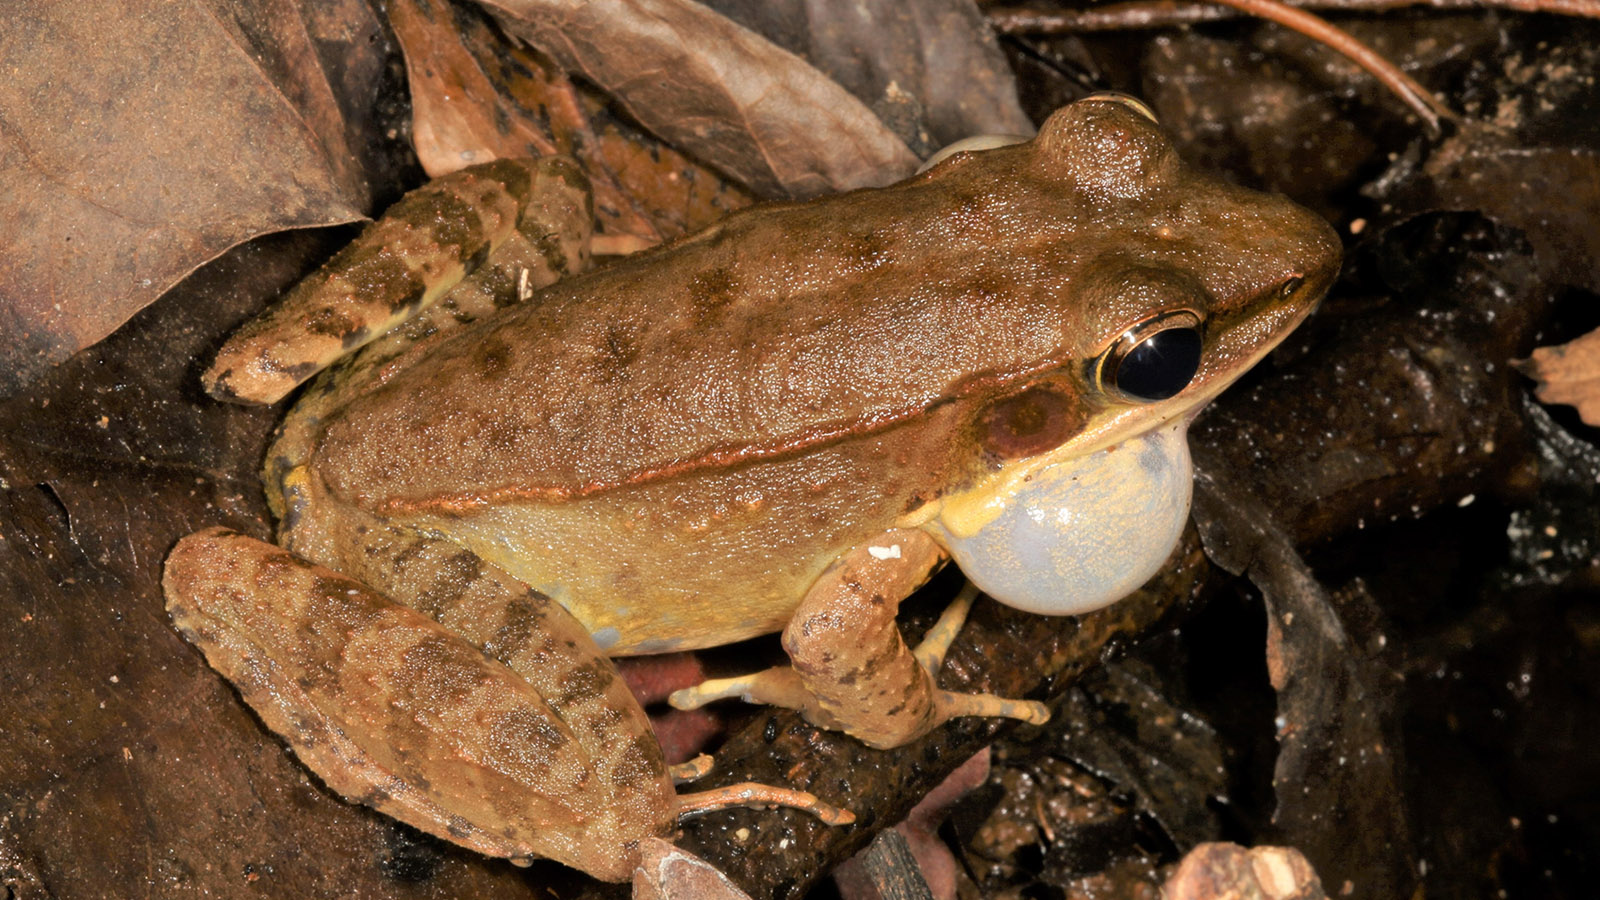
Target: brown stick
(1169, 13)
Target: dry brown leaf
(476, 97)
(142, 140)
(718, 91)
(1569, 373)
(458, 118)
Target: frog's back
(722, 349)
(791, 327)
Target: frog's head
(1181, 285)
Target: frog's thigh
(530, 633)
(392, 710)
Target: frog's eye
(1031, 421)
(1154, 359)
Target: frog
(511, 470)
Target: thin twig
(1421, 101)
(1417, 98)
(1169, 13)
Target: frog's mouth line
(965, 513)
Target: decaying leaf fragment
(1568, 373)
(1213, 871)
(669, 873)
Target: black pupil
(1161, 365)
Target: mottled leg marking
(530, 634)
(852, 670)
(403, 264)
(392, 710)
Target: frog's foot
(747, 794)
(852, 670)
(930, 655)
(761, 796)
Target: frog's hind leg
(852, 670)
(530, 219)
(477, 600)
(393, 710)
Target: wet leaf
(718, 91)
(1549, 192)
(141, 141)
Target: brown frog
(784, 422)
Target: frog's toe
(774, 687)
(952, 705)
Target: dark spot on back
(377, 275)
(568, 170)
(299, 371)
(863, 250)
(710, 291)
(525, 733)
(437, 671)
(492, 357)
(500, 282)
(552, 251)
(452, 221)
(512, 175)
(613, 353)
(452, 578)
(515, 631)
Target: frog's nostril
(1288, 288)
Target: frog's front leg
(852, 671)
